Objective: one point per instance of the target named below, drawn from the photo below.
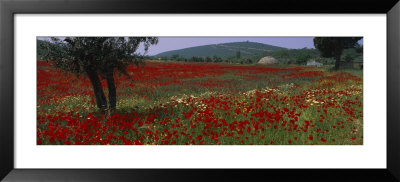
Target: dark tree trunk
(98, 90)
(112, 94)
(337, 62)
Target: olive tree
(332, 47)
(98, 56)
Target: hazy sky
(174, 43)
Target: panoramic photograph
(199, 91)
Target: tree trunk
(112, 94)
(337, 62)
(98, 90)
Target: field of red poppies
(171, 103)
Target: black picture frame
(9, 8)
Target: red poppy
(137, 142)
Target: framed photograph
(118, 90)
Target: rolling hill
(222, 50)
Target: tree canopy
(332, 47)
(97, 55)
(75, 54)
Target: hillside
(222, 50)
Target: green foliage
(348, 57)
(175, 56)
(334, 46)
(302, 58)
(217, 59)
(196, 59)
(77, 54)
(208, 59)
(249, 61)
(238, 54)
(359, 48)
(43, 48)
(164, 58)
(352, 55)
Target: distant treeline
(286, 56)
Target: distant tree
(96, 56)
(332, 47)
(164, 58)
(201, 59)
(196, 59)
(249, 61)
(175, 57)
(237, 54)
(217, 59)
(302, 58)
(282, 53)
(208, 59)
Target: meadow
(178, 103)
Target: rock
(267, 60)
